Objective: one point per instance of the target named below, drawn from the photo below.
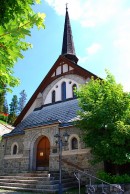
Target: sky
(101, 34)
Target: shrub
(125, 178)
(4, 117)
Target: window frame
(70, 142)
(73, 88)
(12, 148)
(63, 91)
(74, 143)
(53, 96)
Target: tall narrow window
(74, 87)
(53, 96)
(15, 149)
(63, 91)
(74, 143)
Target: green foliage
(13, 110)
(5, 106)
(16, 19)
(113, 179)
(22, 101)
(3, 117)
(3, 122)
(2, 99)
(105, 119)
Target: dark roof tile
(65, 112)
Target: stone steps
(37, 182)
(26, 178)
(29, 189)
(14, 180)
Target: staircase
(37, 182)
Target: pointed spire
(68, 49)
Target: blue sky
(101, 33)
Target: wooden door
(43, 152)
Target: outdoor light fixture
(57, 136)
(61, 141)
(66, 136)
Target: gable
(56, 86)
(61, 69)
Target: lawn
(3, 122)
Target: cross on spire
(66, 6)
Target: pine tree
(2, 99)
(22, 101)
(13, 109)
(5, 107)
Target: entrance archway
(43, 152)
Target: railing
(74, 166)
(92, 188)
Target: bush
(3, 117)
(125, 178)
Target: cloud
(112, 19)
(93, 49)
(75, 9)
(121, 44)
(89, 13)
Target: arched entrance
(43, 152)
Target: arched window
(74, 143)
(63, 91)
(15, 149)
(74, 87)
(53, 96)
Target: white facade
(57, 89)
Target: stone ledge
(14, 156)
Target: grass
(3, 122)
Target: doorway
(43, 152)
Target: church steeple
(68, 49)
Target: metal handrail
(102, 181)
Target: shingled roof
(64, 113)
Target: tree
(2, 99)
(105, 122)
(13, 109)
(16, 19)
(22, 100)
(5, 108)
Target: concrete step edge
(28, 189)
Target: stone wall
(25, 158)
(9, 162)
(74, 159)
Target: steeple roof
(68, 49)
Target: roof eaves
(13, 134)
(44, 123)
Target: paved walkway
(13, 192)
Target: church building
(51, 110)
